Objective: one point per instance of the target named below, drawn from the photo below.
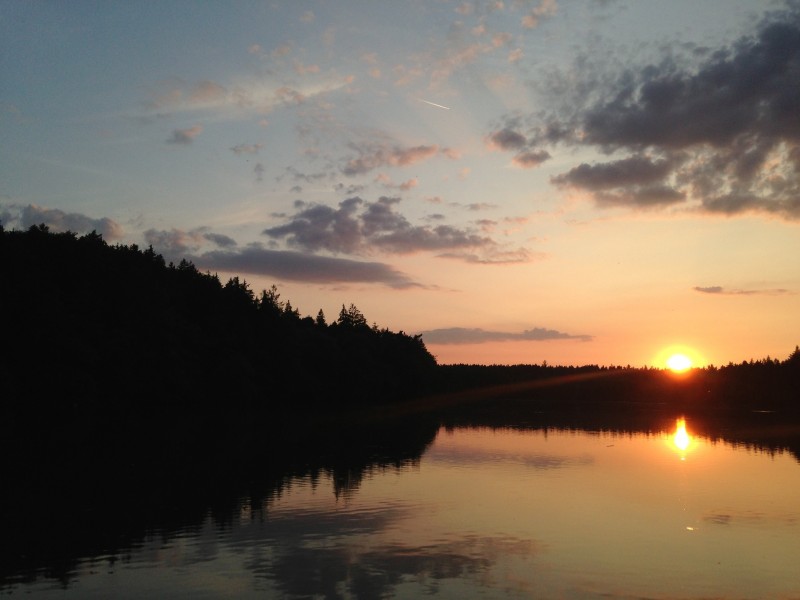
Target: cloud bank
(362, 228)
(721, 133)
(462, 335)
(297, 266)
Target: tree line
(112, 342)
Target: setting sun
(678, 358)
(679, 363)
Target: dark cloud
(629, 171)
(531, 158)
(721, 291)
(507, 139)
(718, 129)
(634, 181)
(297, 266)
(15, 215)
(184, 136)
(462, 335)
(509, 136)
(223, 241)
(642, 197)
(714, 289)
(359, 227)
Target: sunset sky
(576, 181)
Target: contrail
(433, 104)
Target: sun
(678, 358)
(679, 362)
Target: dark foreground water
(484, 513)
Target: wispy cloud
(721, 291)
(463, 335)
(251, 149)
(373, 156)
(184, 136)
(545, 8)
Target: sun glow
(679, 363)
(678, 359)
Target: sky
(570, 181)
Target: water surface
(486, 513)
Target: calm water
(488, 513)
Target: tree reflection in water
(301, 553)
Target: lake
(483, 512)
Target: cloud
(509, 138)
(545, 8)
(221, 240)
(373, 156)
(207, 92)
(247, 98)
(297, 266)
(362, 228)
(15, 215)
(252, 149)
(506, 139)
(721, 291)
(716, 131)
(628, 171)
(176, 243)
(185, 136)
(404, 186)
(495, 256)
(530, 159)
(634, 181)
(306, 177)
(463, 335)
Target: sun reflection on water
(681, 438)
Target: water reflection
(681, 439)
(524, 511)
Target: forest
(106, 344)
(113, 335)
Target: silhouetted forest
(109, 340)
